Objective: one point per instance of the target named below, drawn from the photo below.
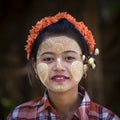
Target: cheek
(42, 69)
(77, 70)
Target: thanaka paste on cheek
(77, 70)
(42, 69)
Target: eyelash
(50, 59)
(69, 58)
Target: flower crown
(45, 22)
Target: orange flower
(43, 23)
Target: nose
(59, 66)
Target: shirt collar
(81, 111)
(47, 104)
(78, 112)
(82, 92)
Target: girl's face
(59, 65)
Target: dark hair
(62, 27)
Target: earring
(85, 68)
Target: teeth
(59, 78)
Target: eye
(48, 59)
(70, 58)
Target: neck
(65, 103)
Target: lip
(59, 78)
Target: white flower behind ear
(96, 51)
(83, 57)
(91, 61)
(93, 66)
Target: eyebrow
(67, 51)
(48, 52)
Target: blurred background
(16, 18)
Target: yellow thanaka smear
(58, 44)
(77, 70)
(42, 69)
(59, 48)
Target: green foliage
(5, 107)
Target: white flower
(96, 51)
(91, 61)
(83, 57)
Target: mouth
(59, 78)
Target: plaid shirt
(41, 109)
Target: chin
(60, 89)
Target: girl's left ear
(85, 68)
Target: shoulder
(26, 109)
(98, 111)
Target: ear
(85, 68)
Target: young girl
(60, 51)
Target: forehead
(59, 44)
